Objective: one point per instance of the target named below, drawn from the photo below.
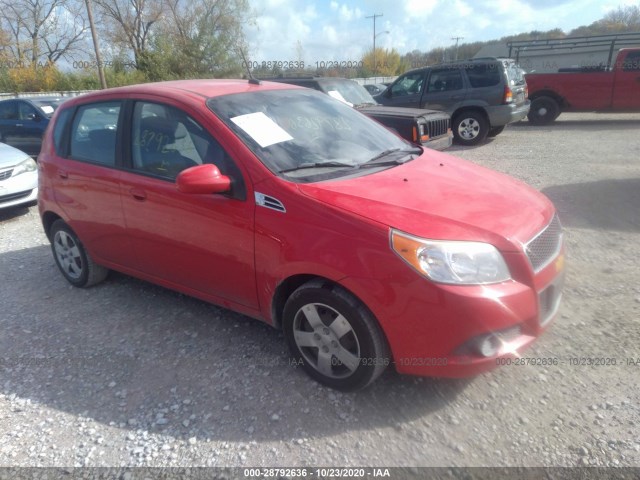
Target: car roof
(203, 88)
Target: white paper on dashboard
(262, 129)
(338, 96)
(47, 109)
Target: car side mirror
(203, 179)
(33, 116)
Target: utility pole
(96, 46)
(456, 39)
(374, 16)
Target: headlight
(462, 263)
(25, 166)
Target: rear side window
(484, 75)
(9, 110)
(93, 133)
(445, 80)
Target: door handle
(62, 174)
(138, 194)
(19, 125)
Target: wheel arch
(48, 218)
(469, 108)
(562, 103)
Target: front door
(199, 243)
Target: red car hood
(438, 196)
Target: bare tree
(43, 30)
(129, 24)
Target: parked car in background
(375, 88)
(285, 205)
(423, 127)
(482, 95)
(24, 120)
(18, 177)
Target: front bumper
(439, 143)
(19, 190)
(432, 329)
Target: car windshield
(308, 136)
(349, 92)
(515, 74)
(47, 106)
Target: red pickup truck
(606, 88)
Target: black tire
(543, 111)
(495, 131)
(470, 128)
(346, 336)
(72, 259)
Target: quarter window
(632, 62)
(93, 133)
(484, 75)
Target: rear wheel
(470, 128)
(495, 131)
(73, 260)
(543, 111)
(334, 337)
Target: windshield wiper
(377, 160)
(302, 166)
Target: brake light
(508, 95)
(526, 91)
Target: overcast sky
(339, 30)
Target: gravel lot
(127, 373)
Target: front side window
(445, 80)
(93, 133)
(26, 111)
(410, 84)
(166, 141)
(632, 62)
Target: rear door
(86, 181)
(445, 90)
(626, 90)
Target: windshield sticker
(338, 96)
(47, 109)
(262, 129)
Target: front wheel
(73, 260)
(470, 128)
(543, 111)
(334, 337)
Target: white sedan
(18, 177)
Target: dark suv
(427, 128)
(482, 95)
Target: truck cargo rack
(614, 41)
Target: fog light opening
(489, 346)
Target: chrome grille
(437, 127)
(6, 174)
(545, 246)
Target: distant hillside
(623, 20)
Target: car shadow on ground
(603, 205)
(13, 213)
(595, 124)
(135, 356)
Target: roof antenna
(252, 79)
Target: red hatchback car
(286, 205)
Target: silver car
(18, 177)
